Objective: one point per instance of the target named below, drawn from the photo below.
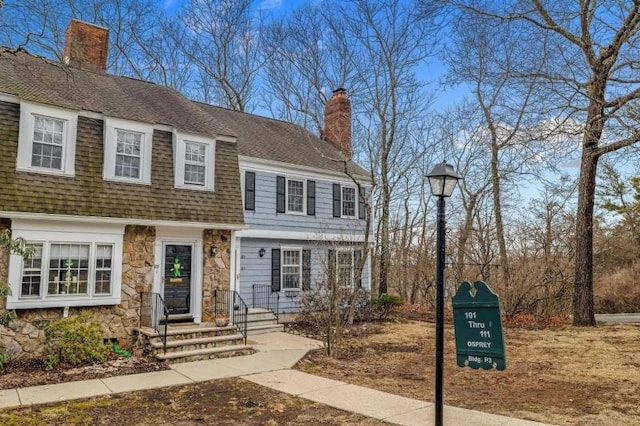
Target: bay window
(68, 268)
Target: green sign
(477, 323)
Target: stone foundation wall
(217, 269)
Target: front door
(178, 262)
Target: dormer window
(46, 143)
(194, 162)
(48, 136)
(127, 151)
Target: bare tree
(487, 60)
(372, 48)
(590, 71)
(224, 44)
(391, 43)
(308, 59)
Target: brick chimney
(337, 121)
(86, 45)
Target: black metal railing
(154, 314)
(229, 301)
(264, 297)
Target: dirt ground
(21, 374)
(563, 375)
(219, 402)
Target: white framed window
(345, 267)
(295, 196)
(291, 268)
(348, 201)
(47, 139)
(72, 266)
(194, 162)
(127, 151)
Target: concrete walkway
(271, 367)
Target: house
(304, 205)
(127, 190)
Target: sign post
(477, 323)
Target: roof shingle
(279, 141)
(39, 80)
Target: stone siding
(216, 270)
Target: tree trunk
(384, 226)
(583, 305)
(497, 208)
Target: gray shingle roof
(273, 140)
(39, 80)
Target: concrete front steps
(260, 321)
(192, 342)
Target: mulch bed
(24, 373)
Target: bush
(75, 340)
(4, 358)
(385, 304)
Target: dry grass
(563, 376)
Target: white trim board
(121, 221)
(304, 236)
(289, 169)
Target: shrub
(75, 340)
(385, 304)
(4, 358)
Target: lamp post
(442, 180)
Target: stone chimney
(86, 45)
(337, 121)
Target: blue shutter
(275, 270)
(311, 197)
(306, 270)
(281, 194)
(337, 198)
(331, 267)
(357, 258)
(249, 191)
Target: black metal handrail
(154, 314)
(226, 301)
(264, 297)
